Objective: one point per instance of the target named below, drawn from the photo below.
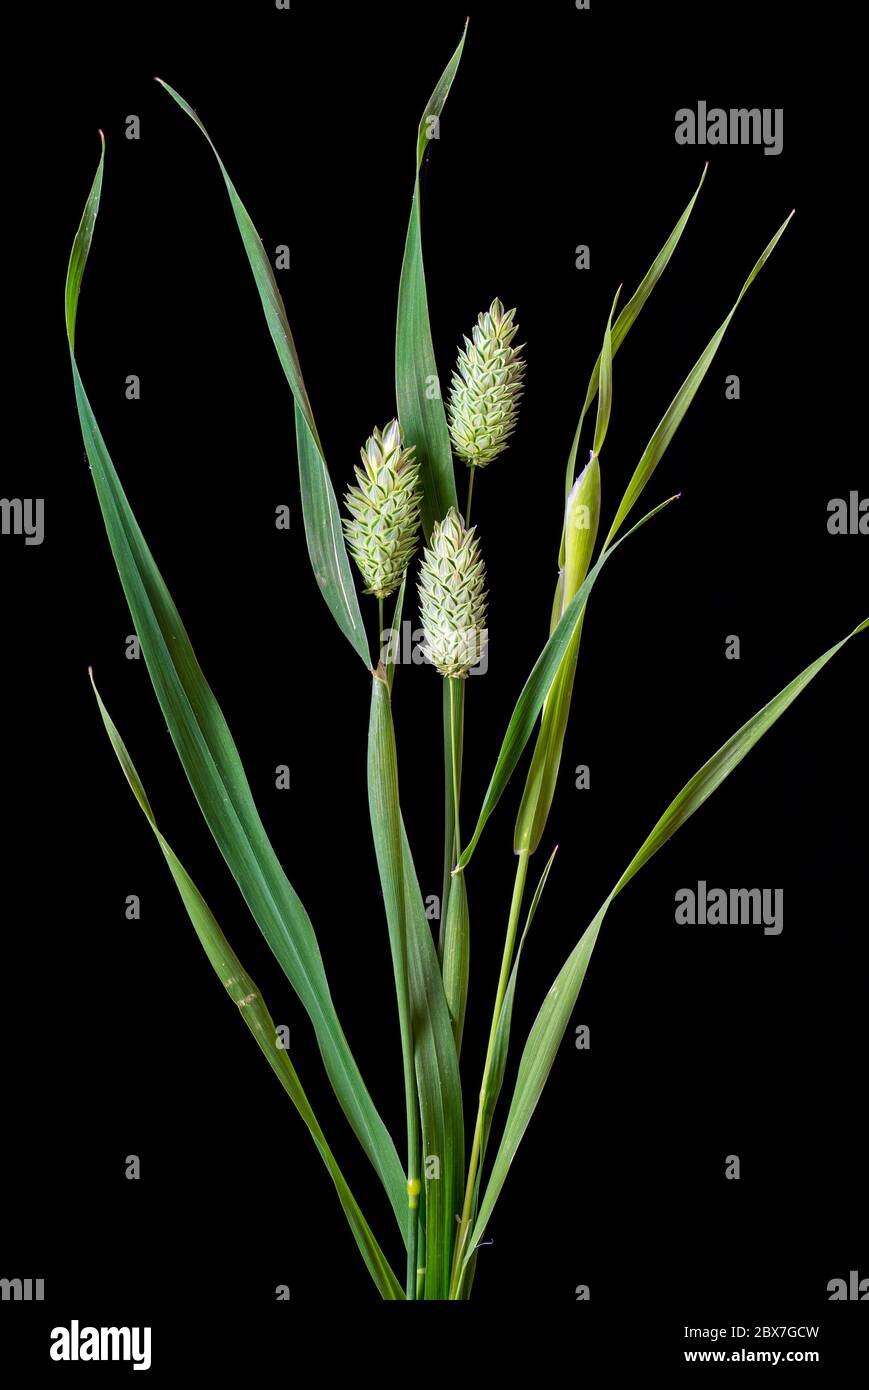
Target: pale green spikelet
(452, 597)
(384, 511)
(486, 387)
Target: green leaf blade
(505, 1020)
(214, 770)
(386, 832)
(439, 1089)
(728, 757)
(625, 321)
(540, 783)
(675, 413)
(554, 1016)
(323, 533)
(537, 687)
(252, 1007)
(417, 391)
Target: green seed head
(486, 387)
(452, 597)
(384, 511)
(580, 526)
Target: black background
(705, 1042)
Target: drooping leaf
(552, 1021)
(252, 1007)
(322, 519)
(417, 383)
(211, 761)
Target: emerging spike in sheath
(453, 598)
(486, 388)
(384, 511)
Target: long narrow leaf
(499, 1063)
(393, 653)
(625, 321)
(242, 990)
(319, 508)
(455, 964)
(605, 392)
(418, 395)
(627, 318)
(440, 1094)
(420, 407)
(537, 687)
(505, 1020)
(543, 771)
(452, 707)
(657, 445)
(552, 1021)
(210, 759)
(386, 831)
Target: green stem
(379, 626)
(506, 964)
(449, 839)
(420, 1247)
(456, 948)
(470, 495)
(384, 809)
(413, 1189)
(455, 745)
(452, 701)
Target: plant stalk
(386, 826)
(380, 628)
(506, 965)
(470, 495)
(455, 955)
(454, 717)
(456, 710)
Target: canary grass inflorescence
(384, 511)
(452, 597)
(486, 387)
(442, 1210)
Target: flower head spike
(384, 511)
(486, 387)
(452, 597)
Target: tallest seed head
(486, 387)
(384, 511)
